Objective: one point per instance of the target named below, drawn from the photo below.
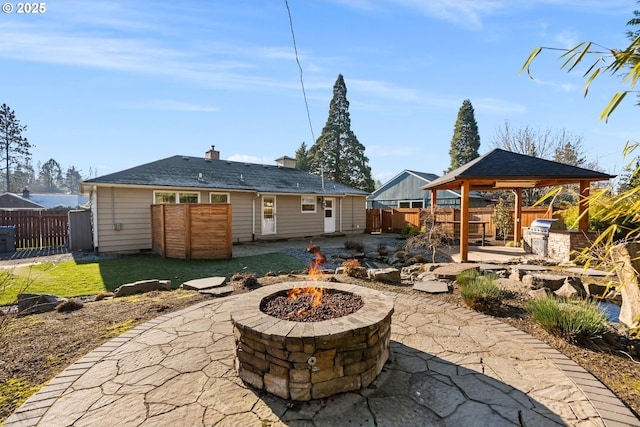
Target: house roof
(201, 173)
(14, 202)
(426, 177)
(505, 169)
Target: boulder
(567, 291)
(537, 281)
(142, 286)
(625, 258)
(390, 275)
(451, 271)
(432, 287)
(538, 293)
(37, 303)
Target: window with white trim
(218, 197)
(308, 204)
(160, 197)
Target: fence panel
(394, 220)
(37, 229)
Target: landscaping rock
(520, 270)
(537, 281)
(625, 258)
(221, 291)
(37, 303)
(450, 271)
(432, 287)
(567, 291)
(142, 286)
(538, 293)
(390, 275)
(204, 283)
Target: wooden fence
(37, 229)
(395, 220)
(192, 231)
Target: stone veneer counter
(311, 360)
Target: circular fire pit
(312, 360)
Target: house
(267, 201)
(404, 191)
(57, 200)
(14, 202)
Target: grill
(539, 230)
(543, 225)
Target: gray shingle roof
(504, 165)
(197, 172)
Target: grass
(576, 321)
(14, 392)
(479, 292)
(71, 278)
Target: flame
(315, 272)
(316, 294)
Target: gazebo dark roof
(504, 169)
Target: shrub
(356, 246)
(103, 295)
(467, 276)
(410, 230)
(481, 293)
(576, 321)
(69, 305)
(247, 280)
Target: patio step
(213, 286)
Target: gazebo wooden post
(433, 201)
(583, 206)
(464, 221)
(517, 217)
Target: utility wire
(295, 49)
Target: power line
(295, 49)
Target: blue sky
(110, 85)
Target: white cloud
(246, 158)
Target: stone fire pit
(312, 360)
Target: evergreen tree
(303, 159)
(72, 180)
(14, 147)
(337, 154)
(465, 142)
(51, 176)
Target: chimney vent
(212, 154)
(286, 162)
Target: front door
(268, 215)
(329, 218)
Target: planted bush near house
(576, 321)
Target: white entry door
(268, 215)
(329, 217)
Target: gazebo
(505, 170)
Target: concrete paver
(449, 366)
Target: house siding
(130, 209)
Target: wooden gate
(37, 229)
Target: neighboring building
(404, 191)
(268, 202)
(13, 202)
(57, 201)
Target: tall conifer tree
(14, 148)
(465, 142)
(337, 153)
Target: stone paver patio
(449, 366)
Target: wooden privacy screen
(192, 231)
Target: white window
(404, 204)
(308, 204)
(218, 198)
(160, 197)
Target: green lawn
(69, 279)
